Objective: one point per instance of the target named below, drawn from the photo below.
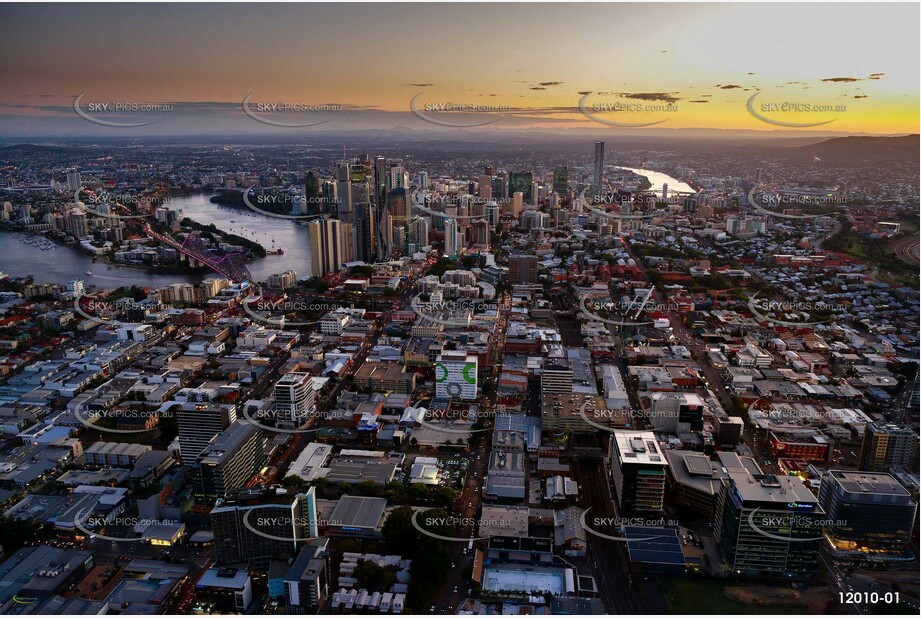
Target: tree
(293, 480)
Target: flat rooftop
(868, 482)
(638, 448)
(358, 512)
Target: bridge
(230, 265)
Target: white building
(456, 375)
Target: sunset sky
(537, 59)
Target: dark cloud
(728, 86)
(860, 96)
(650, 96)
(875, 75)
(536, 88)
(752, 73)
(585, 92)
(841, 79)
(421, 85)
(549, 83)
(699, 101)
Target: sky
(697, 65)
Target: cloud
(585, 92)
(750, 73)
(550, 83)
(421, 85)
(841, 79)
(728, 86)
(861, 96)
(875, 75)
(699, 101)
(650, 96)
(536, 88)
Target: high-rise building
(481, 229)
(73, 180)
(262, 524)
(886, 445)
(484, 187)
(561, 181)
(365, 232)
(344, 192)
(381, 167)
(400, 211)
(521, 181)
(326, 251)
(556, 376)
(421, 229)
(295, 399)
(768, 525)
(638, 469)
(198, 423)
(75, 224)
(452, 238)
(456, 375)
(307, 580)
(599, 167)
(522, 268)
(229, 461)
(869, 513)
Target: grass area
(705, 596)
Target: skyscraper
(365, 232)
(599, 167)
(295, 399)
(452, 243)
(326, 251)
(229, 461)
(344, 192)
(521, 181)
(886, 445)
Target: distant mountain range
(857, 149)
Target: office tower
(556, 376)
(452, 241)
(664, 191)
(229, 461)
(535, 193)
(886, 445)
(262, 524)
(517, 203)
(365, 232)
(73, 180)
(484, 187)
(386, 234)
(870, 513)
(399, 179)
(489, 170)
(768, 525)
(198, 423)
(492, 213)
(561, 180)
(500, 186)
(75, 224)
(313, 194)
(344, 192)
(638, 470)
(381, 167)
(326, 251)
(481, 229)
(521, 181)
(599, 167)
(330, 198)
(295, 399)
(421, 229)
(423, 180)
(456, 375)
(282, 281)
(400, 211)
(307, 580)
(522, 269)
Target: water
(286, 233)
(63, 264)
(657, 179)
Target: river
(63, 264)
(657, 179)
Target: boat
(89, 272)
